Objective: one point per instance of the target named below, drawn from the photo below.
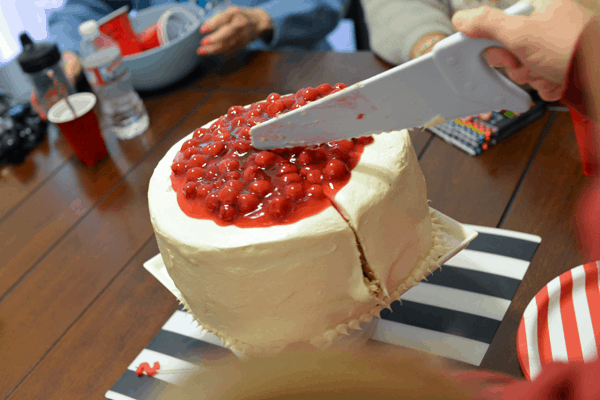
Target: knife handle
(460, 61)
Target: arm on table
(400, 30)
(276, 23)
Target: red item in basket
(117, 26)
(82, 130)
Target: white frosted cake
(266, 268)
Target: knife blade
(452, 81)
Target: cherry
(244, 133)
(291, 178)
(228, 195)
(233, 175)
(247, 202)
(189, 189)
(260, 188)
(335, 169)
(251, 173)
(190, 143)
(227, 212)
(237, 185)
(253, 122)
(314, 176)
(262, 106)
(203, 190)
(228, 164)
(275, 108)
(211, 172)
(340, 86)
(294, 191)
(178, 168)
(279, 207)
(324, 89)
(212, 202)
(310, 94)
(287, 168)
(219, 184)
(306, 169)
(265, 159)
(288, 101)
(254, 114)
(240, 121)
(216, 149)
(273, 97)
(189, 152)
(235, 111)
(298, 94)
(200, 133)
(305, 157)
(241, 146)
(221, 135)
(197, 161)
(217, 124)
(193, 174)
(315, 191)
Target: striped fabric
(455, 313)
(558, 325)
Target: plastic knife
(452, 81)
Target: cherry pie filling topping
(218, 175)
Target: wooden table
(76, 305)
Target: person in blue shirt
(251, 24)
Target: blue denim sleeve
(303, 23)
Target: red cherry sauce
(218, 175)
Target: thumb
(488, 22)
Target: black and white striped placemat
(455, 313)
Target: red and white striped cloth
(562, 322)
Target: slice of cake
(303, 244)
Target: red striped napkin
(562, 322)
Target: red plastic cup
(117, 26)
(150, 37)
(81, 130)
(584, 131)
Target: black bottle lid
(37, 56)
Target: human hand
(72, 69)
(233, 29)
(378, 371)
(538, 48)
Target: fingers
(72, 67)
(236, 30)
(498, 57)
(490, 23)
(219, 20)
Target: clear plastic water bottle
(122, 109)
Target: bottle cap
(37, 56)
(89, 29)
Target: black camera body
(21, 130)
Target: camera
(21, 130)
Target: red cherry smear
(218, 175)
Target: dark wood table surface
(76, 305)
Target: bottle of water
(122, 109)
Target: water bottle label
(103, 74)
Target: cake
(338, 232)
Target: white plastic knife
(452, 81)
